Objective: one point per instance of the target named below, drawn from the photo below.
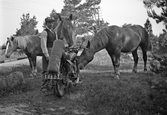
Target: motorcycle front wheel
(59, 88)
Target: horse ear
(59, 17)
(88, 44)
(12, 38)
(70, 17)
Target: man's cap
(49, 20)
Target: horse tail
(149, 46)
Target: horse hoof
(31, 75)
(117, 77)
(134, 71)
(35, 75)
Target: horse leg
(135, 58)
(34, 65)
(31, 66)
(144, 51)
(116, 63)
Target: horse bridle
(10, 44)
(61, 37)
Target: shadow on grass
(109, 66)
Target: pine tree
(153, 39)
(86, 15)
(148, 27)
(28, 25)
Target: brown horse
(116, 40)
(31, 44)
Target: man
(47, 38)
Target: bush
(159, 62)
(12, 80)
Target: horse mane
(23, 41)
(127, 25)
(130, 25)
(100, 39)
(58, 28)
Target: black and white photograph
(83, 57)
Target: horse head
(85, 57)
(65, 29)
(11, 46)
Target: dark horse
(116, 40)
(31, 44)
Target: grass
(100, 93)
(114, 97)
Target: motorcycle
(59, 82)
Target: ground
(144, 93)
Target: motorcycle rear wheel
(59, 89)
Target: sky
(115, 12)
